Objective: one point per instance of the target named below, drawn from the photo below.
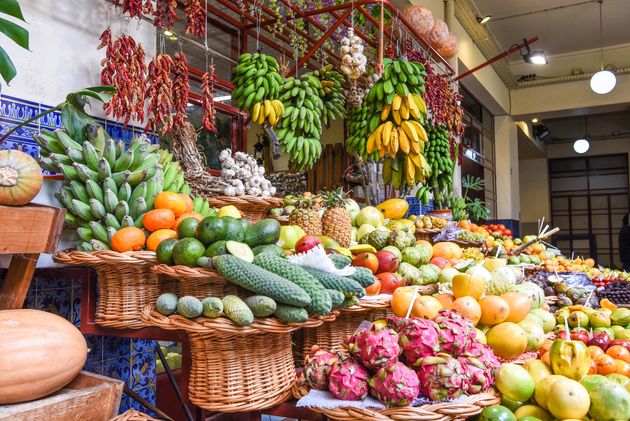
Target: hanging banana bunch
(300, 129)
(437, 153)
(331, 93)
(358, 121)
(258, 85)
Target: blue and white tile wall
(128, 359)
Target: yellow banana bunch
(404, 107)
(389, 138)
(405, 170)
(267, 110)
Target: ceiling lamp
(483, 20)
(603, 81)
(534, 57)
(581, 146)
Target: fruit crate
(126, 284)
(416, 207)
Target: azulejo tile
(56, 301)
(50, 281)
(95, 345)
(117, 368)
(96, 367)
(115, 347)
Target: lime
(164, 251)
(497, 413)
(187, 228)
(187, 251)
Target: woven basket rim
(104, 257)
(365, 305)
(133, 415)
(464, 408)
(247, 200)
(428, 230)
(180, 271)
(152, 317)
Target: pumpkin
(40, 353)
(20, 178)
(447, 250)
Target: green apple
(289, 235)
(370, 215)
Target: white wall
(534, 190)
(507, 164)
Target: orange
(185, 215)
(519, 306)
(494, 310)
(595, 351)
(158, 236)
(622, 367)
(189, 202)
(589, 262)
(157, 219)
(545, 358)
(172, 201)
(446, 299)
(619, 352)
(606, 303)
(605, 364)
(468, 285)
(128, 239)
(469, 308)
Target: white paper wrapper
(316, 258)
(325, 399)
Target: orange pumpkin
(40, 353)
(447, 250)
(20, 178)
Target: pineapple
(336, 222)
(307, 216)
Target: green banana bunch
(173, 180)
(358, 125)
(201, 206)
(399, 76)
(258, 83)
(300, 128)
(438, 156)
(331, 93)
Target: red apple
(440, 262)
(390, 281)
(366, 260)
(601, 340)
(580, 335)
(306, 243)
(623, 342)
(387, 261)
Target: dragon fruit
(457, 334)
(479, 364)
(375, 348)
(441, 377)
(418, 338)
(317, 366)
(348, 381)
(395, 384)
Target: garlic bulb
(352, 57)
(243, 175)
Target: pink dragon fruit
(479, 364)
(418, 338)
(375, 348)
(348, 381)
(441, 377)
(395, 384)
(457, 334)
(317, 366)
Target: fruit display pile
(400, 359)
(617, 291)
(568, 289)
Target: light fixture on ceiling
(535, 120)
(605, 80)
(582, 145)
(483, 20)
(534, 57)
(541, 131)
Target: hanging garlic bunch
(357, 89)
(243, 175)
(353, 61)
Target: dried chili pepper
(181, 87)
(108, 67)
(159, 94)
(207, 100)
(164, 14)
(195, 17)
(133, 7)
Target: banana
(104, 170)
(74, 155)
(97, 209)
(96, 135)
(127, 221)
(138, 207)
(124, 192)
(111, 221)
(66, 140)
(139, 191)
(410, 131)
(94, 190)
(85, 234)
(394, 143)
(124, 161)
(386, 133)
(84, 173)
(385, 113)
(256, 111)
(122, 209)
(110, 200)
(119, 178)
(137, 177)
(69, 172)
(79, 191)
(397, 102)
(98, 232)
(90, 156)
(372, 144)
(82, 210)
(109, 151)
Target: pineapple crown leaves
(308, 202)
(334, 198)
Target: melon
(533, 292)
(40, 353)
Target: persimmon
(128, 239)
(157, 219)
(156, 237)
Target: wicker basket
(199, 282)
(444, 411)
(283, 219)
(426, 234)
(133, 415)
(126, 284)
(254, 208)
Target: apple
(623, 342)
(394, 250)
(328, 242)
(601, 340)
(389, 282)
(387, 261)
(375, 288)
(370, 215)
(366, 260)
(364, 230)
(306, 243)
(440, 262)
(580, 335)
(289, 236)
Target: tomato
(507, 232)
(390, 281)
(492, 228)
(374, 289)
(501, 227)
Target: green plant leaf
(11, 8)
(14, 31)
(102, 95)
(7, 69)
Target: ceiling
(568, 32)
(594, 127)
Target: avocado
(217, 249)
(187, 251)
(212, 229)
(266, 231)
(233, 229)
(269, 248)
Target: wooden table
(25, 232)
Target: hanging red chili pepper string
(108, 71)
(159, 94)
(195, 17)
(207, 100)
(133, 7)
(181, 87)
(165, 13)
